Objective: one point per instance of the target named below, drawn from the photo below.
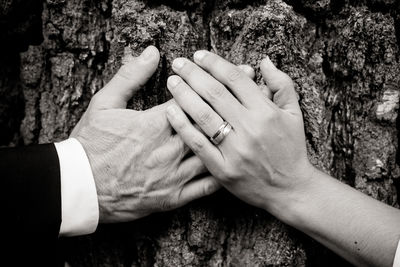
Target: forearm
(31, 205)
(359, 228)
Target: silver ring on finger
(222, 132)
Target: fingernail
(148, 53)
(173, 81)
(178, 63)
(199, 55)
(171, 110)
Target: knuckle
(208, 188)
(269, 118)
(228, 176)
(198, 169)
(180, 124)
(133, 72)
(226, 173)
(222, 175)
(180, 178)
(179, 145)
(126, 71)
(187, 69)
(204, 118)
(245, 153)
(180, 92)
(216, 92)
(280, 96)
(234, 74)
(158, 159)
(165, 204)
(197, 145)
(283, 82)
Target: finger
(173, 151)
(186, 150)
(132, 75)
(162, 108)
(266, 91)
(215, 93)
(281, 86)
(248, 70)
(197, 142)
(190, 168)
(244, 88)
(197, 189)
(205, 117)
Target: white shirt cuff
(79, 203)
(396, 262)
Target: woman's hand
(263, 160)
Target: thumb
(281, 86)
(133, 74)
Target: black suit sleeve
(31, 192)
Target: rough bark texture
(343, 56)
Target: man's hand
(138, 165)
(263, 159)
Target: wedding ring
(222, 132)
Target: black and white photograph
(226, 133)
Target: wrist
(290, 204)
(79, 207)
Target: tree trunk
(343, 56)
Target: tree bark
(343, 56)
